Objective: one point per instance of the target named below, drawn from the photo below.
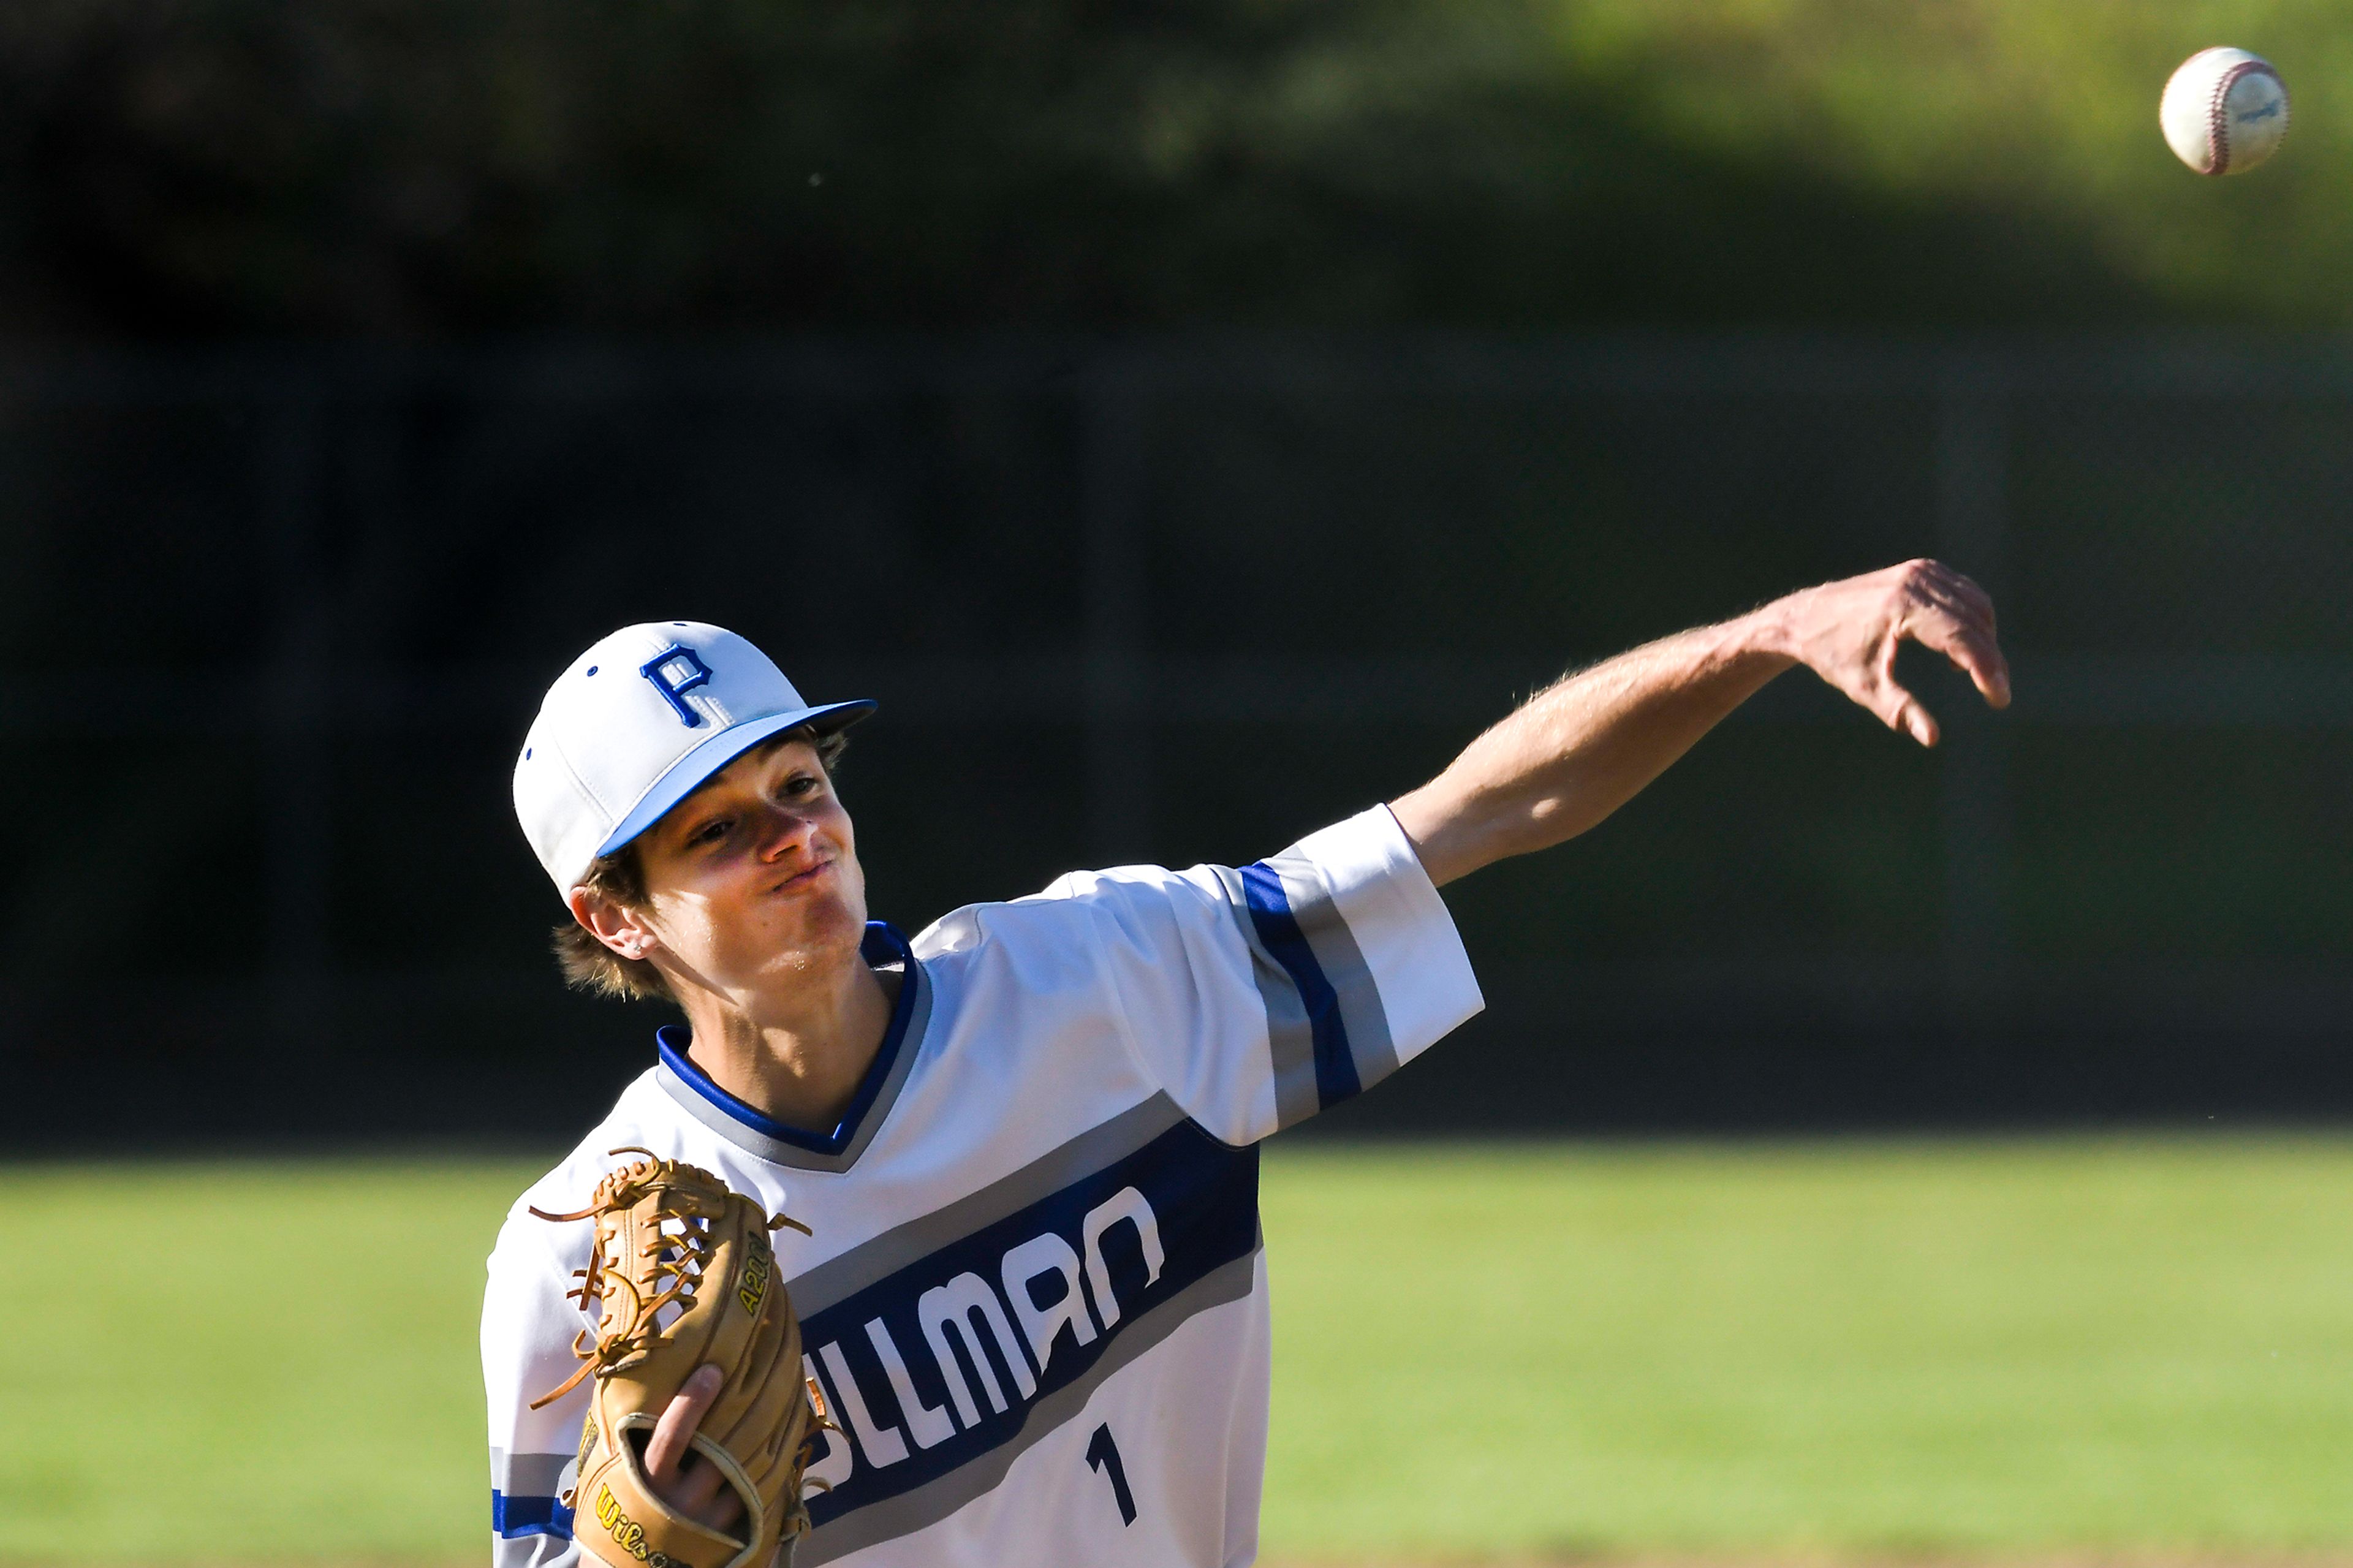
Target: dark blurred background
(1193, 423)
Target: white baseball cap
(637, 722)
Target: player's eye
(800, 785)
(711, 832)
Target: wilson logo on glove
(630, 1535)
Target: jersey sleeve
(527, 1331)
(1259, 995)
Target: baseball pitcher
(1031, 1293)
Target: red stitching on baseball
(2217, 113)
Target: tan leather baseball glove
(683, 1277)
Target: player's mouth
(802, 882)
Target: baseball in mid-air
(2225, 112)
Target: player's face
(752, 881)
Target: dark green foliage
(457, 166)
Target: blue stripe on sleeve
(514, 1516)
(1270, 917)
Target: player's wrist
(1768, 637)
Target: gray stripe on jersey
(527, 1475)
(1342, 962)
(928, 1504)
(779, 1152)
(1289, 1039)
(838, 1279)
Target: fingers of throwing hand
(1931, 584)
(1899, 710)
(1973, 651)
(1852, 630)
(1875, 686)
(1914, 721)
(1972, 610)
(1980, 602)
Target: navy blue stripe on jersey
(1319, 919)
(514, 1516)
(883, 945)
(956, 1356)
(1271, 916)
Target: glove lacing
(679, 1256)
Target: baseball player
(1025, 1140)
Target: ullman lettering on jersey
(940, 1362)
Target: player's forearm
(1581, 750)
(1586, 746)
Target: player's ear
(612, 923)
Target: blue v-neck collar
(771, 1140)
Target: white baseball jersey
(1034, 1296)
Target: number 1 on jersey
(1102, 1456)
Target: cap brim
(690, 771)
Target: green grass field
(1997, 1349)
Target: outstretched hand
(682, 1477)
(1847, 632)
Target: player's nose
(783, 831)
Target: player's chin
(824, 920)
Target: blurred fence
(277, 620)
